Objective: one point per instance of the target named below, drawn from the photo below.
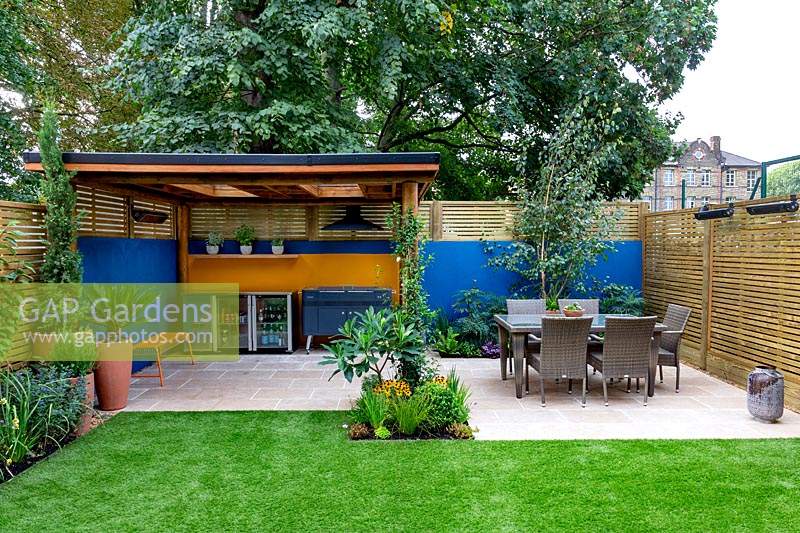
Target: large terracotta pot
(113, 375)
(85, 423)
(765, 393)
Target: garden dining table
(517, 327)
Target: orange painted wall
(307, 270)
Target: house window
(751, 179)
(706, 200)
(689, 177)
(705, 178)
(730, 178)
(669, 177)
(691, 201)
(669, 203)
(649, 201)
(730, 199)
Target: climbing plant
(407, 242)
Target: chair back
(563, 353)
(675, 319)
(590, 307)
(525, 307)
(626, 346)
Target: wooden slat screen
(106, 214)
(144, 230)
(270, 222)
(752, 267)
(673, 270)
(29, 219)
(755, 297)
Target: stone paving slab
(705, 407)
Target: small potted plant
(551, 306)
(245, 235)
(573, 310)
(213, 242)
(277, 246)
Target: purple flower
(491, 349)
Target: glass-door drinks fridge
(265, 322)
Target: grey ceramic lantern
(765, 393)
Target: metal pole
(683, 194)
(763, 180)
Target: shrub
(446, 342)
(214, 238)
(383, 433)
(37, 408)
(375, 340)
(393, 388)
(621, 300)
(409, 413)
(443, 409)
(373, 408)
(245, 235)
(461, 393)
(359, 431)
(491, 349)
(477, 308)
(459, 431)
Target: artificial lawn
(297, 471)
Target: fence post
(312, 222)
(436, 220)
(708, 261)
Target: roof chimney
(715, 146)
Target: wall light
(148, 216)
(706, 213)
(788, 206)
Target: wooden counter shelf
(241, 256)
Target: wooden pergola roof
(253, 178)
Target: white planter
(212, 250)
(277, 250)
(246, 250)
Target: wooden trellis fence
(741, 278)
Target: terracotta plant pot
(113, 375)
(246, 250)
(572, 313)
(85, 423)
(212, 250)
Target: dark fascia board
(131, 158)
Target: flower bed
(437, 408)
(40, 409)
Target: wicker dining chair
(525, 307)
(675, 319)
(562, 354)
(626, 350)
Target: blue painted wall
(302, 247)
(459, 265)
(118, 260)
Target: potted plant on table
(245, 235)
(277, 246)
(551, 306)
(573, 310)
(213, 242)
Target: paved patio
(705, 408)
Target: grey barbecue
(325, 309)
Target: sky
(746, 91)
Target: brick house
(712, 176)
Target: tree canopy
(784, 179)
(485, 83)
(54, 51)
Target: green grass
(297, 471)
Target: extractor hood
(352, 221)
